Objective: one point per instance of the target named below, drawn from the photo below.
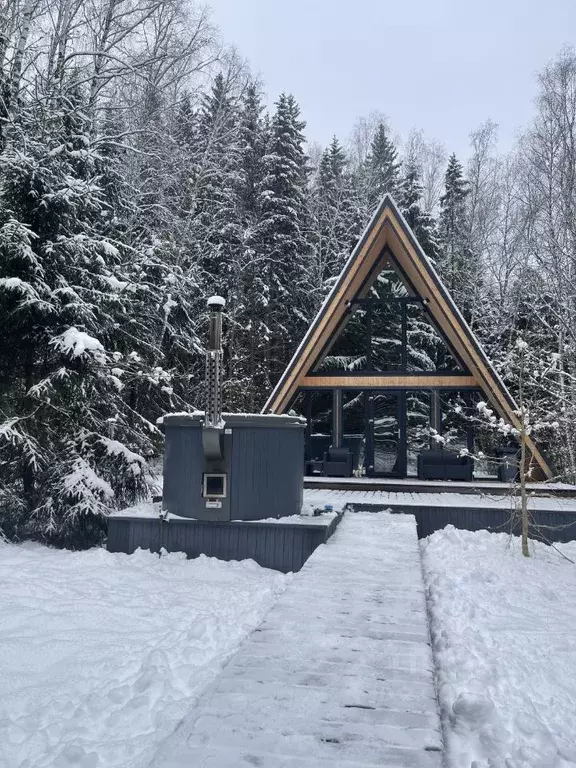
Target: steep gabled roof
(388, 232)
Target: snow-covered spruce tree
(217, 185)
(454, 258)
(70, 445)
(420, 221)
(380, 172)
(282, 238)
(215, 229)
(247, 369)
(336, 216)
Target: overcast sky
(441, 65)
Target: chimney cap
(216, 302)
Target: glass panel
(386, 434)
(489, 442)
(299, 404)
(320, 423)
(354, 427)
(386, 341)
(426, 350)
(418, 415)
(348, 353)
(455, 410)
(388, 285)
(370, 337)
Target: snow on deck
(320, 496)
(481, 485)
(339, 674)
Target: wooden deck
(414, 485)
(552, 518)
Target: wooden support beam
(400, 381)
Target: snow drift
(102, 654)
(504, 636)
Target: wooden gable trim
(391, 381)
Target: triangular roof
(388, 232)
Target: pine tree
(455, 259)
(282, 236)
(248, 374)
(218, 235)
(381, 171)
(421, 222)
(336, 215)
(71, 448)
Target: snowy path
(339, 673)
(102, 654)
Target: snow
(114, 283)
(21, 286)
(504, 637)
(480, 484)
(116, 448)
(102, 654)
(268, 416)
(153, 510)
(77, 343)
(330, 507)
(146, 509)
(216, 301)
(323, 520)
(83, 483)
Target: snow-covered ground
(102, 654)
(504, 636)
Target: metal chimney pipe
(213, 414)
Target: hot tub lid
(245, 420)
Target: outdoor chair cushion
(443, 465)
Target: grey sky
(441, 65)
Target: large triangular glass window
(387, 329)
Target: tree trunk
(522, 467)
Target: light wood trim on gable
(392, 381)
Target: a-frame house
(388, 360)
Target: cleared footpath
(339, 674)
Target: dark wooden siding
(183, 461)
(283, 547)
(550, 526)
(266, 471)
(264, 467)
